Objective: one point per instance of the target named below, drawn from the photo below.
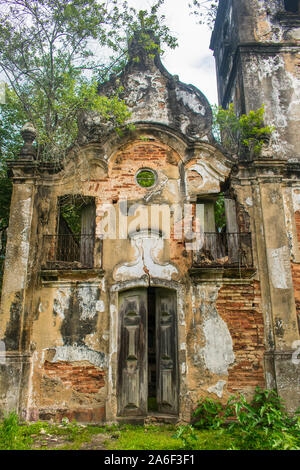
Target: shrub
(262, 423)
(240, 134)
(208, 414)
(188, 437)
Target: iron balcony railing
(69, 251)
(223, 249)
(213, 249)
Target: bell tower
(256, 45)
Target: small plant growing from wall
(241, 134)
(220, 213)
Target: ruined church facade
(122, 298)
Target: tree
(48, 56)
(53, 53)
(205, 10)
(241, 134)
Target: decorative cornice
(253, 48)
(22, 169)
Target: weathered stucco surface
(233, 325)
(258, 64)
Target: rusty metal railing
(223, 249)
(69, 251)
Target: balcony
(69, 252)
(223, 250)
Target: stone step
(153, 418)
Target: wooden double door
(148, 355)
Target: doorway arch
(147, 375)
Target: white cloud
(192, 60)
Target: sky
(192, 60)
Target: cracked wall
(225, 340)
(258, 63)
(63, 323)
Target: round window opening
(145, 178)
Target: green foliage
(73, 436)
(208, 414)
(145, 438)
(71, 208)
(240, 134)
(147, 26)
(145, 178)
(56, 122)
(11, 435)
(53, 71)
(188, 436)
(72, 215)
(262, 423)
(220, 212)
(167, 437)
(12, 118)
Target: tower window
(292, 6)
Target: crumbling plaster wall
(258, 61)
(70, 341)
(66, 322)
(256, 45)
(74, 319)
(225, 338)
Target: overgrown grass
(11, 435)
(168, 438)
(261, 424)
(14, 436)
(23, 436)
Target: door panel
(166, 351)
(88, 220)
(132, 360)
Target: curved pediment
(153, 95)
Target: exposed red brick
(83, 415)
(123, 168)
(239, 307)
(84, 379)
